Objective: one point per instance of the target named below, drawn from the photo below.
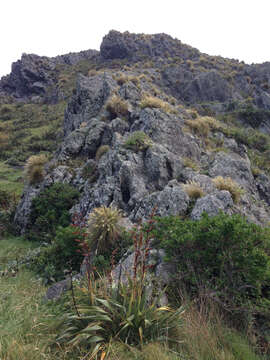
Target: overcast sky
(235, 29)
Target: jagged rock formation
(136, 180)
(33, 75)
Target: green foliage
(8, 203)
(51, 209)
(106, 236)
(63, 254)
(105, 312)
(138, 141)
(224, 255)
(31, 129)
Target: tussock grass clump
(156, 103)
(229, 185)
(202, 125)
(117, 106)
(194, 190)
(138, 141)
(103, 228)
(101, 151)
(123, 78)
(190, 163)
(199, 126)
(34, 168)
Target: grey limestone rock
(23, 210)
(212, 204)
(91, 95)
(234, 166)
(263, 186)
(172, 200)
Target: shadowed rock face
(118, 45)
(33, 74)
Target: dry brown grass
(194, 190)
(199, 126)
(34, 168)
(229, 185)
(101, 151)
(155, 102)
(4, 141)
(190, 163)
(117, 106)
(203, 125)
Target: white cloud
(236, 29)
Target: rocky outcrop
(212, 204)
(138, 179)
(118, 45)
(32, 75)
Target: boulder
(212, 204)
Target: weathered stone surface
(166, 129)
(172, 200)
(91, 94)
(118, 45)
(136, 181)
(212, 204)
(23, 210)
(32, 75)
(263, 186)
(234, 166)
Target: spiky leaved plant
(103, 228)
(118, 311)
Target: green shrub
(138, 141)
(225, 256)
(51, 209)
(63, 253)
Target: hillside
(145, 123)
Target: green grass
(26, 333)
(13, 248)
(30, 128)
(11, 179)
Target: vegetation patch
(138, 141)
(229, 185)
(156, 103)
(117, 107)
(194, 190)
(101, 151)
(34, 168)
(51, 209)
(223, 258)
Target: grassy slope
(25, 334)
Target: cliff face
(33, 75)
(152, 117)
